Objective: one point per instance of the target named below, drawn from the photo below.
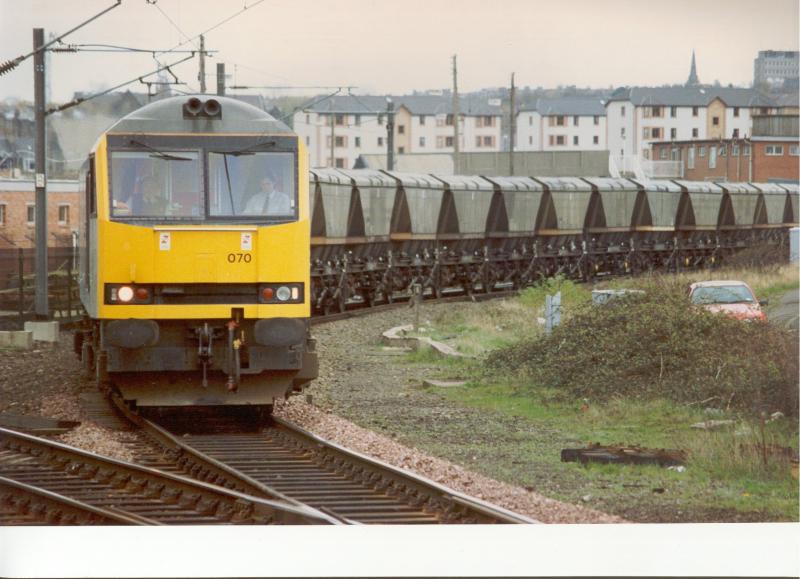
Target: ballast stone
(43, 331)
(16, 340)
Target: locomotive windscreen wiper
(247, 150)
(159, 154)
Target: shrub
(658, 345)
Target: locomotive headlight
(125, 293)
(283, 293)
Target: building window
(690, 158)
(401, 150)
(357, 120)
(448, 141)
(595, 140)
(663, 153)
(746, 151)
(722, 151)
(339, 162)
(358, 142)
(561, 121)
(735, 111)
(675, 154)
(448, 120)
(622, 111)
(530, 120)
(477, 141)
(622, 132)
(308, 119)
(530, 140)
(734, 150)
(575, 140)
(701, 151)
(2, 214)
(422, 120)
(652, 133)
(380, 119)
(597, 119)
(575, 120)
(422, 141)
(31, 213)
(401, 129)
(794, 151)
(340, 141)
(735, 133)
(712, 157)
(380, 141)
(673, 112)
(695, 111)
(63, 214)
(673, 133)
(715, 121)
(560, 140)
(695, 133)
(340, 119)
(774, 150)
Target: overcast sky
(399, 46)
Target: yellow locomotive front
(194, 250)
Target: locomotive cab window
(156, 184)
(252, 185)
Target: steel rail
(135, 490)
(26, 504)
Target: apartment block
(422, 124)
(564, 124)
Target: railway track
(283, 462)
(45, 482)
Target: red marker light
(267, 293)
(142, 293)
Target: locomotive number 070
(239, 258)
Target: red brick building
(772, 153)
(18, 213)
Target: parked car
(734, 298)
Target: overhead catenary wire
(12, 64)
(80, 100)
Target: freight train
(377, 234)
(206, 244)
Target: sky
(382, 46)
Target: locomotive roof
(166, 116)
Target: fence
(18, 285)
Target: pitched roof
(690, 96)
(416, 104)
(582, 106)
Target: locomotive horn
(192, 107)
(212, 108)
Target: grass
(726, 476)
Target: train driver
(268, 201)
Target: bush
(658, 345)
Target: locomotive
(194, 256)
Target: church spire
(693, 80)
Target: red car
(734, 298)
